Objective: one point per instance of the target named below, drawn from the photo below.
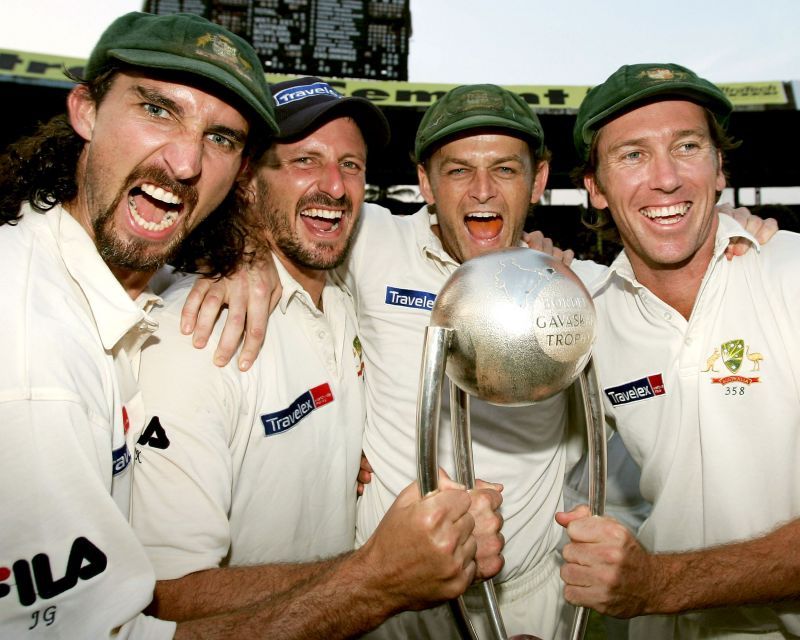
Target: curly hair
(219, 245)
(41, 169)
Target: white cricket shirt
(395, 270)
(710, 408)
(70, 565)
(241, 468)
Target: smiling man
(482, 163)
(92, 205)
(710, 347)
(245, 486)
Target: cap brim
(677, 89)
(481, 121)
(370, 119)
(207, 70)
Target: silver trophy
(512, 327)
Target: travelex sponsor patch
(636, 390)
(285, 419)
(410, 298)
(293, 94)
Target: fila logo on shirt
(154, 435)
(285, 419)
(636, 390)
(34, 578)
(410, 298)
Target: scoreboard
(331, 38)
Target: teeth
(666, 212)
(160, 194)
(482, 214)
(168, 220)
(323, 213)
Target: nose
(664, 173)
(482, 187)
(184, 156)
(331, 181)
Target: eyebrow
(156, 97)
(510, 158)
(635, 142)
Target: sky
(512, 42)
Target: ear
(425, 185)
(540, 181)
(82, 111)
(721, 183)
(596, 196)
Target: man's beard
(139, 254)
(312, 255)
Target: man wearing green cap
(482, 163)
(697, 357)
(156, 133)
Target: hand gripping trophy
(511, 327)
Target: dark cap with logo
(187, 43)
(477, 106)
(631, 85)
(303, 105)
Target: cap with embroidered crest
(302, 105)
(633, 84)
(477, 106)
(187, 43)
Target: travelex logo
(636, 390)
(285, 419)
(293, 94)
(410, 298)
(121, 457)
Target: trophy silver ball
(523, 326)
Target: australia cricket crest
(734, 355)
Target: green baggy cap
(632, 84)
(191, 44)
(477, 106)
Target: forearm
(758, 571)
(339, 598)
(215, 592)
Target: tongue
(147, 208)
(323, 225)
(484, 228)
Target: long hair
(221, 243)
(41, 169)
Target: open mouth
(671, 214)
(484, 225)
(322, 220)
(153, 208)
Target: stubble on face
(139, 253)
(309, 254)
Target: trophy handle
(589, 390)
(465, 474)
(431, 378)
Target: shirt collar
(291, 289)
(113, 310)
(727, 229)
(429, 244)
